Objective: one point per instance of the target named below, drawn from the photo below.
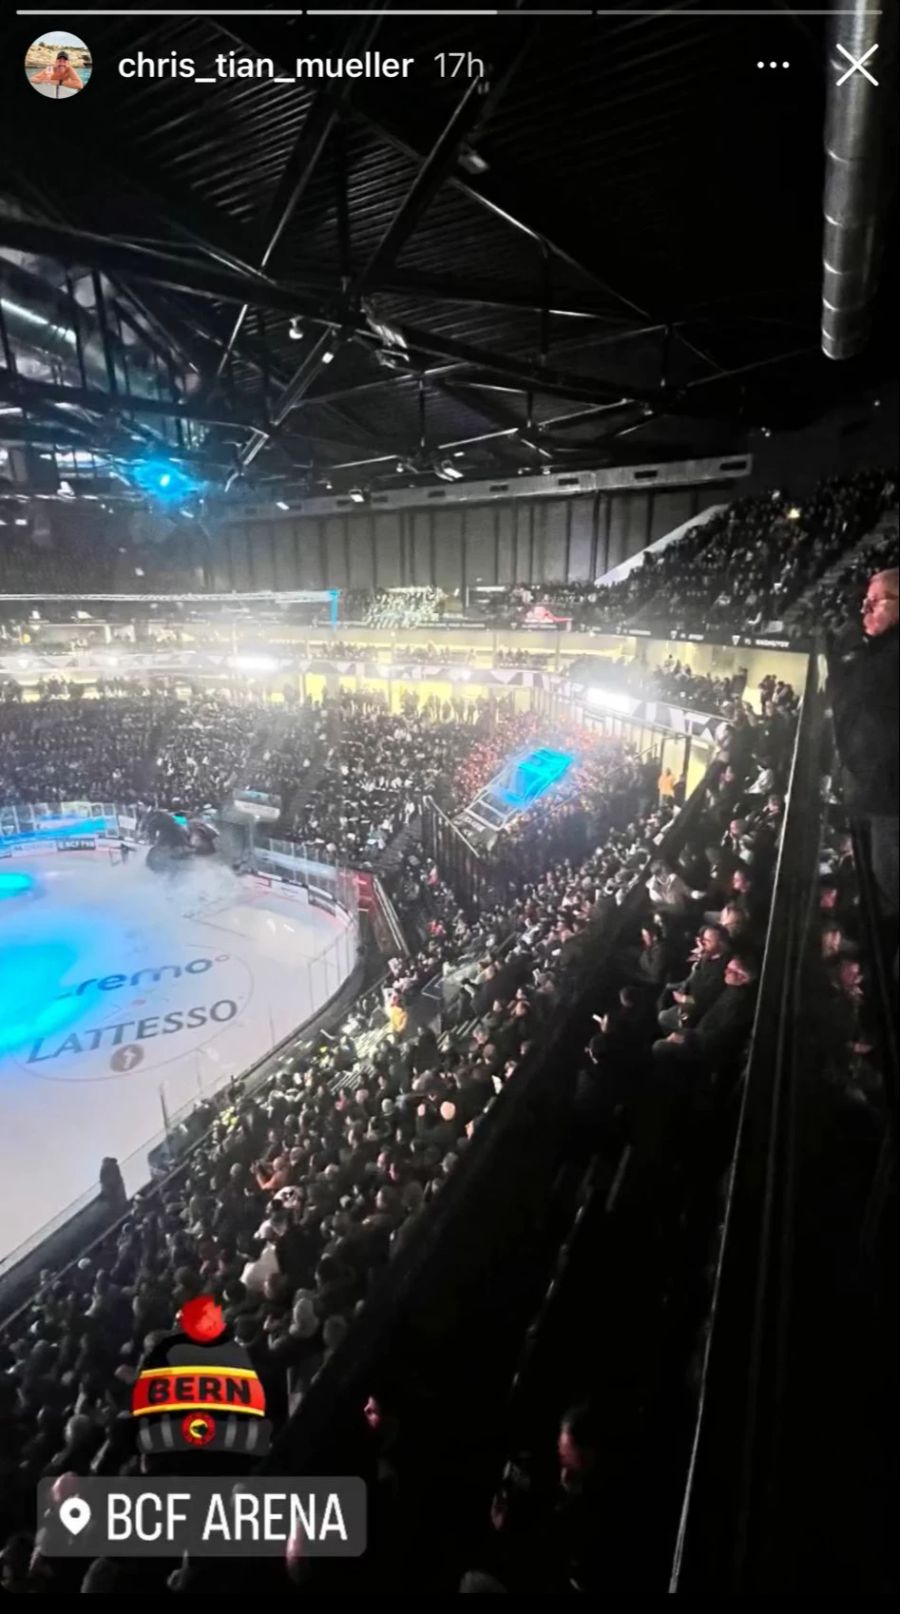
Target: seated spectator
(720, 1033)
(684, 1003)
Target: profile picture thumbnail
(58, 65)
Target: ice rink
(122, 992)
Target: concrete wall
(513, 541)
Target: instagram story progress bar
(675, 13)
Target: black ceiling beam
(401, 379)
(417, 200)
(394, 138)
(39, 396)
(579, 417)
(533, 377)
(207, 230)
(424, 188)
(245, 36)
(417, 283)
(492, 412)
(805, 352)
(540, 437)
(217, 246)
(23, 391)
(212, 277)
(215, 281)
(302, 164)
(387, 381)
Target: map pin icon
(75, 1514)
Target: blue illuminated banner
(529, 777)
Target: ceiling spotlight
(327, 357)
(282, 504)
(357, 496)
(295, 329)
(447, 471)
(472, 161)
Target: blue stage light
(529, 777)
(32, 977)
(14, 884)
(162, 480)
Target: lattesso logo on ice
(150, 975)
(145, 1018)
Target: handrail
(389, 913)
(738, 1426)
(448, 821)
(885, 998)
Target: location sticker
(75, 1514)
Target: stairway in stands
(387, 864)
(885, 528)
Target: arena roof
(606, 249)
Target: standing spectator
(864, 694)
(112, 1188)
(666, 784)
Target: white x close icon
(857, 66)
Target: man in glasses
(864, 692)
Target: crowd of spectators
(77, 750)
(664, 1056)
(404, 608)
(676, 681)
(206, 747)
(741, 569)
(745, 566)
(366, 771)
(417, 654)
(828, 605)
(299, 1195)
(849, 1034)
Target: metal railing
(796, 1313)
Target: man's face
(575, 1462)
(709, 943)
(880, 607)
(851, 977)
(735, 973)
